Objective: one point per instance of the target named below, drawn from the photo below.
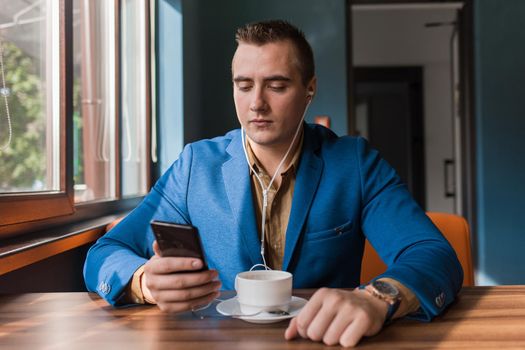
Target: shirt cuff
(135, 288)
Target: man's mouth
(260, 122)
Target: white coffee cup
(263, 290)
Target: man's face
(269, 95)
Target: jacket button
(104, 288)
(440, 300)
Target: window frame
(22, 207)
(25, 213)
(147, 10)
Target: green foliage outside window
(23, 163)
(78, 154)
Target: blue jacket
(344, 193)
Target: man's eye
(278, 88)
(244, 87)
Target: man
(324, 196)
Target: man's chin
(261, 140)
(260, 136)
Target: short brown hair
(260, 33)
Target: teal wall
(209, 44)
(500, 119)
(170, 107)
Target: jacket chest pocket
(338, 231)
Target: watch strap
(391, 311)
(393, 304)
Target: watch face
(386, 288)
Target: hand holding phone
(174, 284)
(177, 240)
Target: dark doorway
(389, 113)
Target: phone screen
(178, 240)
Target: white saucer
(231, 307)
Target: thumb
(156, 249)
(291, 332)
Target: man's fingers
(321, 322)
(354, 332)
(337, 327)
(180, 264)
(168, 265)
(188, 304)
(309, 311)
(156, 248)
(186, 295)
(337, 317)
(180, 280)
(291, 332)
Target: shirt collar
(256, 165)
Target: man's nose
(258, 102)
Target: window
(134, 64)
(32, 153)
(74, 95)
(29, 66)
(94, 99)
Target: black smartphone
(178, 240)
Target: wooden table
(482, 318)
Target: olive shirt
(279, 204)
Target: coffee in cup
(263, 290)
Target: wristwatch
(387, 292)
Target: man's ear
(311, 88)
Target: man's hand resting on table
(163, 284)
(336, 316)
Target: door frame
(413, 77)
(466, 91)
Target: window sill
(28, 249)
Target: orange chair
(456, 231)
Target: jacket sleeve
(112, 260)
(415, 251)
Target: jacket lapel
(307, 180)
(235, 173)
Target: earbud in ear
(310, 94)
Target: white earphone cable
(265, 190)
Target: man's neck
(270, 156)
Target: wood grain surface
(482, 318)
